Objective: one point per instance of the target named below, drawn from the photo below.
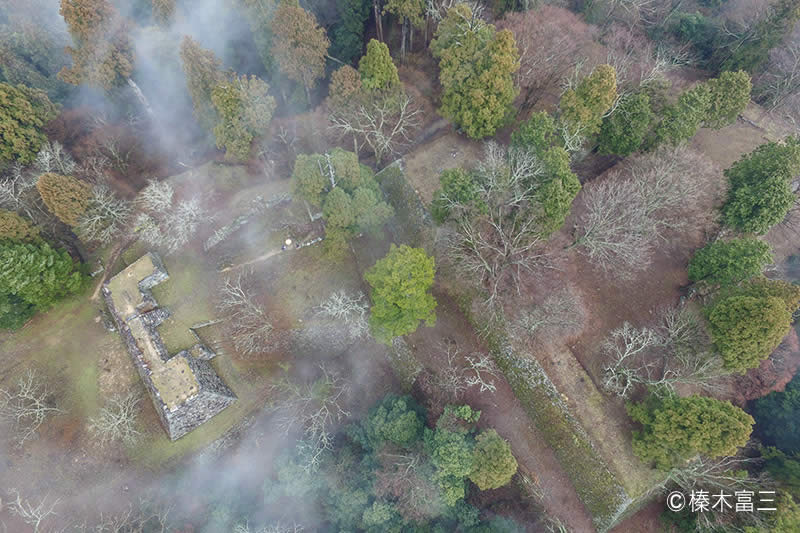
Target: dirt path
(504, 412)
(264, 257)
(118, 249)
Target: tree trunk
(403, 40)
(308, 94)
(378, 22)
(410, 38)
(140, 96)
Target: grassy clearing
(63, 344)
(188, 295)
(305, 278)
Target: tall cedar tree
(344, 87)
(680, 121)
(778, 418)
(14, 311)
(411, 13)
(555, 185)
(15, 228)
(624, 131)
(245, 109)
(376, 67)
(37, 273)
(202, 69)
(752, 53)
(102, 54)
(675, 429)
(400, 299)
(583, 108)
(348, 36)
(729, 262)
(23, 114)
(476, 64)
(163, 11)
(748, 322)
(759, 190)
(729, 95)
(32, 47)
(66, 197)
(299, 45)
(259, 16)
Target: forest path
(502, 411)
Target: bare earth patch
(451, 150)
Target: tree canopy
(759, 192)
(676, 429)
(476, 64)
(680, 121)
(777, 418)
(66, 197)
(350, 198)
(203, 73)
(400, 299)
(299, 45)
(729, 262)
(23, 114)
(102, 54)
(15, 228)
(583, 107)
(376, 67)
(624, 131)
(348, 36)
(729, 94)
(245, 108)
(749, 322)
(752, 51)
(36, 273)
(493, 463)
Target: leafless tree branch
(27, 406)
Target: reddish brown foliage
(772, 374)
(551, 40)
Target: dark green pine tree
(348, 34)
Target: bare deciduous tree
(163, 222)
(725, 474)
(106, 217)
(33, 514)
(272, 528)
(52, 157)
(497, 237)
(551, 40)
(628, 212)
(676, 351)
(18, 193)
(482, 372)
(117, 421)
(351, 310)
(384, 123)
(146, 517)
(27, 406)
(156, 197)
(561, 313)
(314, 409)
(251, 330)
(458, 373)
